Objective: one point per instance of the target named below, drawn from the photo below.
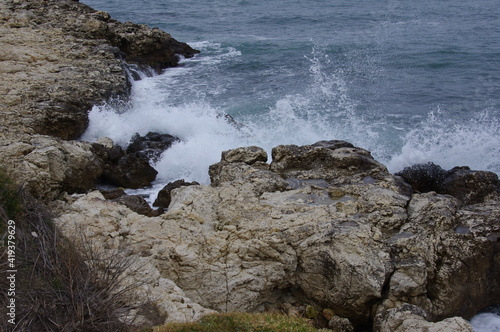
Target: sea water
(410, 81)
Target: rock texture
(57, 59)
(324, 225)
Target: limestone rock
(58, 58)
(353, 242)
(411, 318)
(340, 324)
(324, 160)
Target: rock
(151, 146)
(324, 160)
(424, 177)
(112, 194)
(58, 58)
(470, 186)
(50, 166)
(164, 198)
(246, 165)
(248, 155)
(353, 243)
(130, 171)
(106, 142)
(340, 324)
(135, 203)
(411, 318)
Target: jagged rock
(349, 243)
(164, 196)
(340, 324)
(424, 177)
(468, 186)
(412, 318)
(57, 59)
(50, 166)
(130, 171)
(324, 160)
(151, 146)
(135, 203)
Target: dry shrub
(61, 285)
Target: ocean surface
(410, 81)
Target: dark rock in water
(469, 186)
(130, 171)
(424, 177)
(136, 203)
(151, 146)
(112, 194)
(164, 198)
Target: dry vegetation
(60, 285)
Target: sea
(410, 81)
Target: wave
(184, 102)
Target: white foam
(486, 322)
(449, 142)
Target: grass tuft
(242, 322)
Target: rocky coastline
(322, 228)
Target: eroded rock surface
(324, 225)
(57, 59)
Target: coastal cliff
(322, 226)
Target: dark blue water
(410, 81)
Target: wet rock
(409, 317)
(135, 203)
(470, 186)
(112, 194)
(130, 171)
(164, 197)
(151, 146)
(424, 177)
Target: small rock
(340, 324)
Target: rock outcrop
(324, 225)
(321, 226)
(57, 59)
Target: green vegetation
(242, 322)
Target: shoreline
(321, 225)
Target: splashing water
(179, 103)
(444, 141)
